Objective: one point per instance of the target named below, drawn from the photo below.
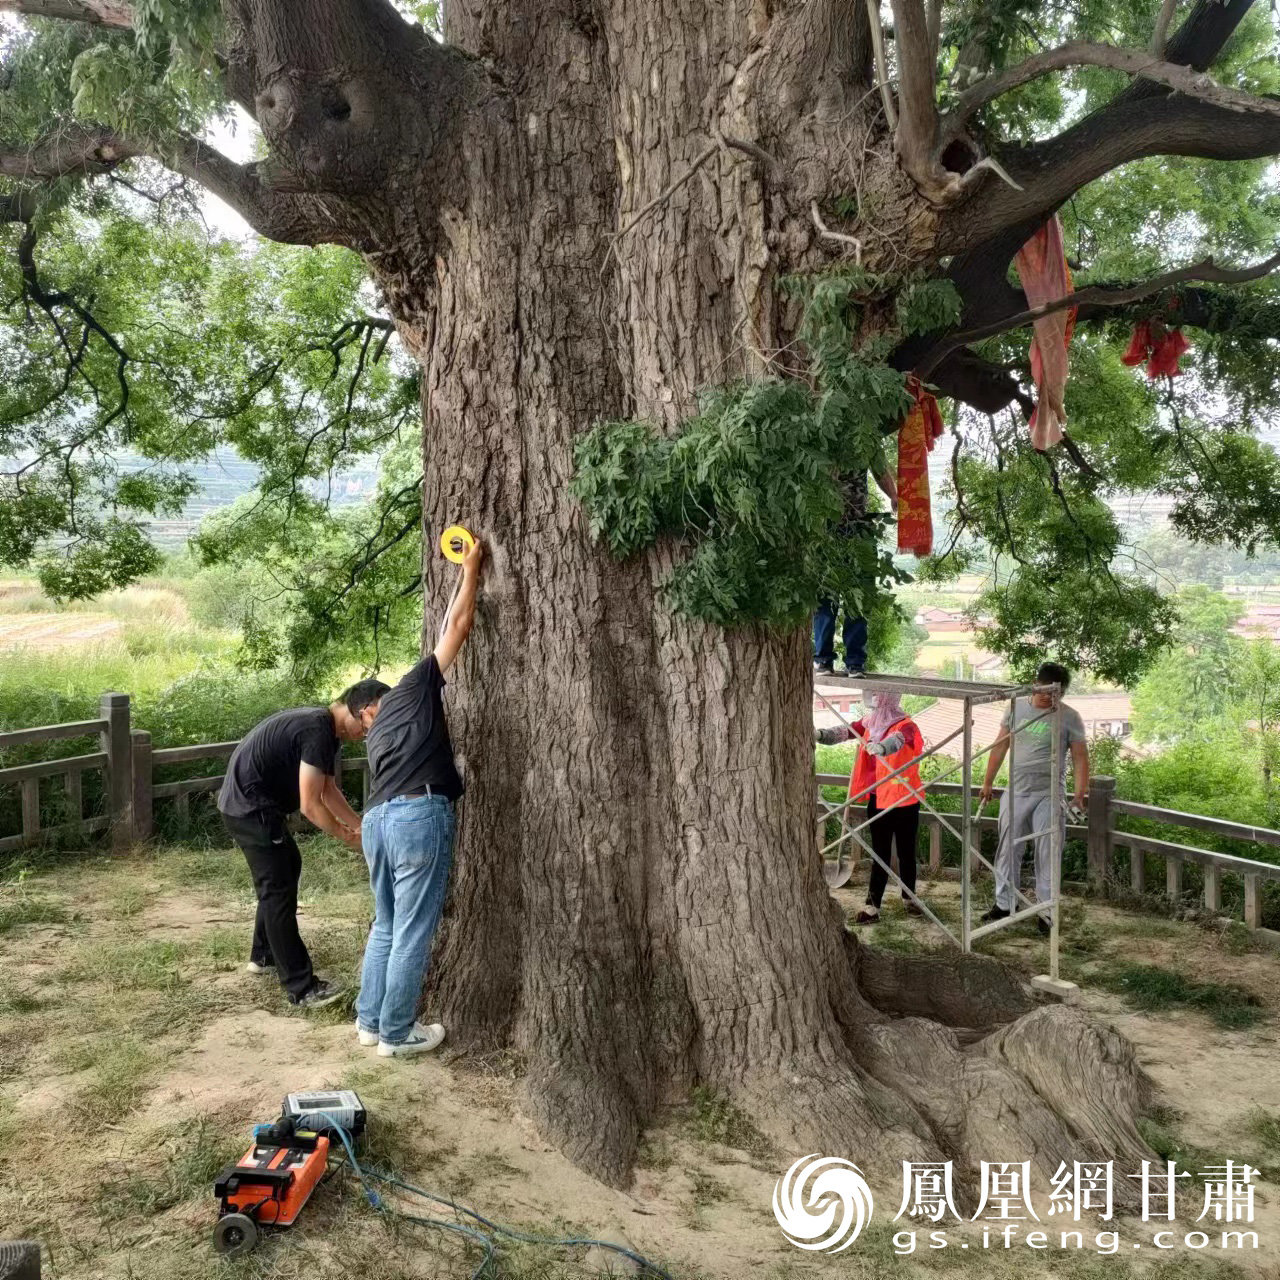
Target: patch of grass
(707, 1190)
(28, 909)
(1238, 939)
(328, 866)
(223, 948)
(128, 900)
(1264, 1126)
(713, 1118)
(121, 1070)
(480, 1166)
(131, 966)
(17, 1003)
(218, 866)
(196, 1152)
(1161, 1128)
(654, 1152)
(1149, 926)
(1152, 988)
(892, 933)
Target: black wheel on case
(234, 1234)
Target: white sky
(238, 141)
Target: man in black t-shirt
(408, 837)
(284, 764)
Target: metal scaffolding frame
(971, 693)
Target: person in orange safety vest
(890, 744)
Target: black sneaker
(321, 993)
(824, 668)
(996, 913)
(1044, 926)
(851, 673)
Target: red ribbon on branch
(916, 438)
(1042, 268)
(1160, 346)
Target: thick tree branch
(1049, 173)
(881, 63)
(1161, 32)
(1103, 296)
(93, 13)
(77, 149)
(1144, 119)
(90, 151)
(917, 133)
(965, 376)
(1134, 62)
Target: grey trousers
(1034, 813)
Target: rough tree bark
(581, 211)
(637, 904)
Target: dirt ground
(136, 1053)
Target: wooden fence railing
(128, 763)
(1102, 837)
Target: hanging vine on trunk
(756, 480)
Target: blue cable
(470, 1233)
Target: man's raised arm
(463, 613)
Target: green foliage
(754, 481)
(166, 78)
(118, 553)
(315, 588)
(1152, 988)
(269, 351)
(1109, 624)
(1189, 690)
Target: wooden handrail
(1197, 822)
(201, 751)
(48, 732)
(51, 768)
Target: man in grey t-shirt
(1027, 804)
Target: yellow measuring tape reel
(455, 542)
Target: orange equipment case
(271, 1184)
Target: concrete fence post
(143, 813)
(1101, 792)
(118, 745)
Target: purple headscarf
(887, 712)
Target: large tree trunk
(637, 902)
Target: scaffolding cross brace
(970, 693)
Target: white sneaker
(420, 1040)
(367, 1038)
(259, 969)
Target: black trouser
(276, 867)
(899, 825)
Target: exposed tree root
(960, 991)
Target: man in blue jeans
(407, 833)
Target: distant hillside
(226, 476)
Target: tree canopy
(133, 342)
